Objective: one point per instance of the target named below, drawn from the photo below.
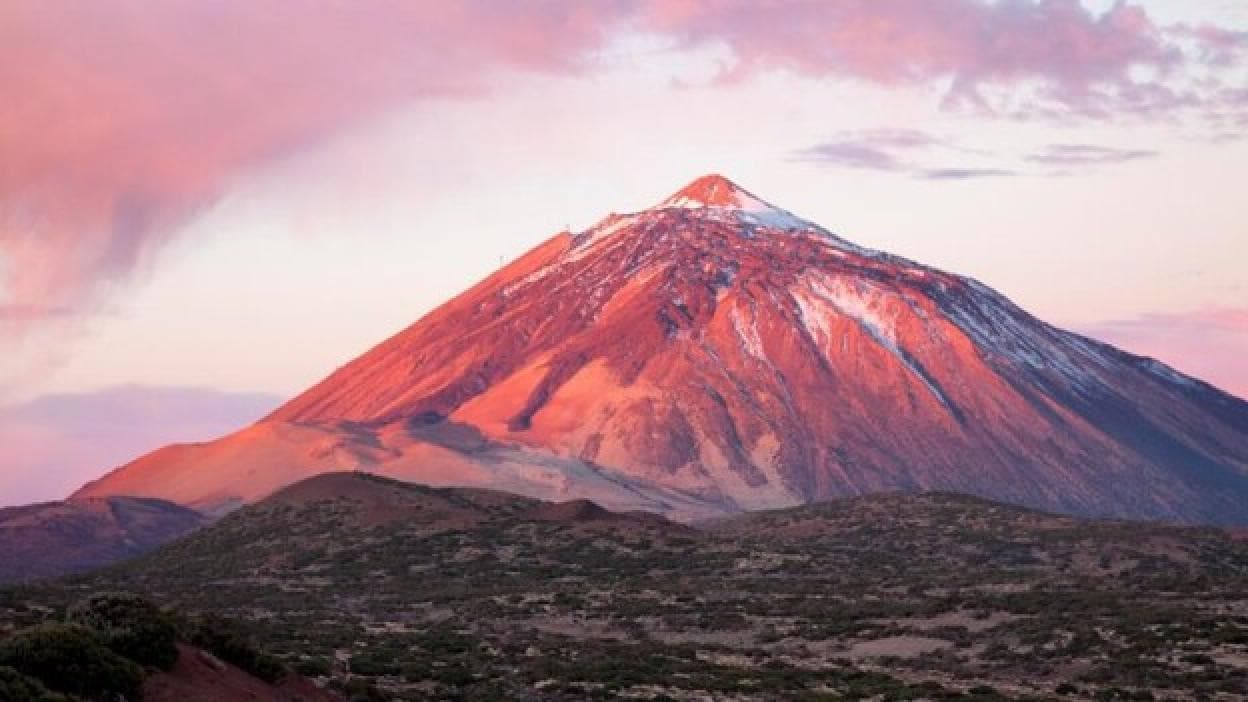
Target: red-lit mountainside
(715, 354)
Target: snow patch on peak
(1002, 330)
(773, 218)
(721, 196)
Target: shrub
(131, 626)
(361, 690)
(231, 642)
(314, 667)
(72, 659)
(15, 686)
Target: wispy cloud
(963, 173)
(901, 151)
(1216, 46)
(1086, 155)
(880, 149)
(911, 152)
(10, 313)
(852, 155)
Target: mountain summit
(716, 353)
(716, 191)
(711, 190)
(717, 195)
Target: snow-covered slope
(717, 353)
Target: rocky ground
(385, 590)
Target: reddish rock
(715, 353)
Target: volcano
(714, 354)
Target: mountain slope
(57, 538)
(715, 353)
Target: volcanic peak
(711, 190)
(718, 194)
(695, 358)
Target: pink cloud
(55, 443)
(1215, 45)
(1209, 344)
(120, 117)
(1081, 60)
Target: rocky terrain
(715, 354)
(57, 538)
(399, 591)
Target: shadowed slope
(58, 538)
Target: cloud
(122, 117)
(55, 443)
(853, 155)
(16, 312)
(871, 149)
(963, 173)
(892, 151)
(1210, 344)
(1086, 155)
(1069, 59)
(901, 150)
(1216, 46)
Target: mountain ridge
(716, 353)
(58, 538)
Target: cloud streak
(870, 149)
(964, 173)
(892, 151)
(1086, 155)
(903, 151)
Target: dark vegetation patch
(467, 595)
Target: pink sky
(241, 195)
